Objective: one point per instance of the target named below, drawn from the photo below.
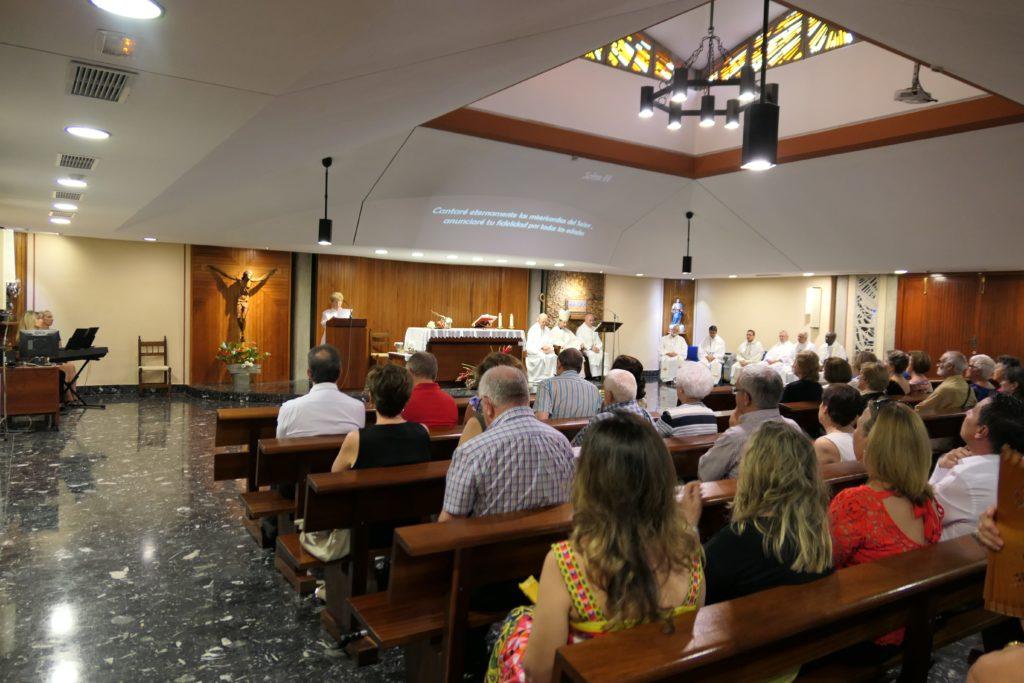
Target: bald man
(780, 357)
(540, 351)
(672, 348)
(590, 342)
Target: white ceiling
(219, 141)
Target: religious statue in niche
(247, 285)
(677, 312)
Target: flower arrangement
(246, 354)
(468, 374)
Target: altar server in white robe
(562, 336)
(831, 348)
(780, 357)
(750, 352)
(540, 351)
(672, 349)
(590, 342)
(712, 352)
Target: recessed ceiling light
(938, 275)
(87, 132)
(72, 181)
(808, 274)
(531, 263)
(417, 254)
(59, 220)
(324, 243)
(639, 274)
(132, 9)
(380, 251)
(733, 277)
(149, 239)
(65, 206)
(899, 272)
(559, 265)
(478, 259)
(501, 260)
(452, 257)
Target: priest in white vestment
(540, 351)
(831, 348)
(781, 356)
(672, 349)
(712, 352)
(750, 352)
(590, 342)
(802, 344)
(562, 336)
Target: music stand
(606, 327)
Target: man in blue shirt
(567, 394)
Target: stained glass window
(637, 53)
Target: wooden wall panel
(213, 311)
(395, 295)
(1001, 315)
(686, 290)
(21, 272)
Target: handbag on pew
(1004, 578)
(326, 546)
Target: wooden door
(1001, 315)
(937, 313)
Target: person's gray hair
(985, 364)
(505, 386)
(957, 360)
(422, 364)
(763, 385)
(693, 380)
(621, 385)
(324, 363)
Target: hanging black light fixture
(761, 120)
(688, 260)
(324, 233)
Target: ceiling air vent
(76, 161)
(68, 196)
(62, 214)
(99, 82)
(768, 274)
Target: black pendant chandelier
(759, 105)
(687, 259)
(324, 232)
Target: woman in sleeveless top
(920, 365)
(581, 593)
(473, 423)
(840, 406)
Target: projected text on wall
(513, 220)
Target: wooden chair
(380, 345)
(154, 349)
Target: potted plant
(242, 360)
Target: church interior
(360, 341)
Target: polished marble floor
(122, 560)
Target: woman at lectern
(337, 310)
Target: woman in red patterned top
(896, 510)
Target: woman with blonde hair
(336, 310)
(779, 530)
(896, 510)
(633, 554)
(30, 321)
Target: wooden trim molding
(957, 117)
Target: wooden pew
(805, 414)
(241, 427)
(769, 633)
(943, 426)
(721, 398)
(435, 567)
(686, 452)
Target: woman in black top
(392, 440)
(898, 363)
(779, 533)
(806, 387)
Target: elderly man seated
(672, 348)
(780, 356)
(619, 397)
(980, 369)
(690, 417)
(567, 394)
(758, 389)
(540, 350)
(954, 394)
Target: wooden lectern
(352, 339)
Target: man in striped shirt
(567, 394)
(691, 417)
(619, 397)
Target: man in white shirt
(325, 409)
(711, 353)
(831, 348)
(780, 357)
(590, 342)
(965, 479)
(672, 348)
(748, 353)
(540, 351)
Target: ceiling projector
(915, 94)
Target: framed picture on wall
(576, 307)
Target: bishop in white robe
(562, 336)
(540, 351)
(750, 351)
(590, 342)
(672, 349)
(831, 348)
(711, 353)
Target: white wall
(765, 305)
(127, 289)
(638, 301)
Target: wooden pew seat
(294, 563)
(260, 504)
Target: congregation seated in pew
(873, 380)
(620, 389)
(920, 366)
(567, 394)
(861, 358)
(693, 382)
(428, 404)
(954, 394)
(1013, 382)
(1003, 363)
(634, 367)
(840, 406)
(897, 363)
(836, 371)
(473, 423)
(758, 390)
(602, 579)
(807, 386)
(980, 369)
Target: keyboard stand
(69, 388)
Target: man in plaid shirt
(518, 463)
(619, 397)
